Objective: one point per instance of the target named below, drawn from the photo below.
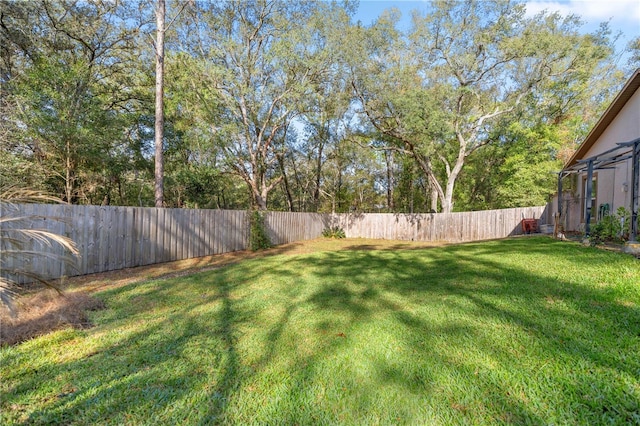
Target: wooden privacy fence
(449, 227)
(111, 238)
(287, 227)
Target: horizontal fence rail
(111, 238)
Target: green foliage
(68, 122)
(76, 105)
(634, 50)
(73, 97)
(484, 62)
(520, 171)
(613, 227)
(261, 63)
(334, 232)
(16, 168)
(258, 237)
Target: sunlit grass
(527, 330)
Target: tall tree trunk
(261, 200)
(388, 157)
(452, 175)
(339, 188)
(434, 200)
(316, 192)
(411, 195)
(285, 181)
(159, 125)
(68, 184)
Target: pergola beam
(587, 199)
(630, 143)
(604, 161)
(560, 176)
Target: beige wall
(611, 183)
(624, 128)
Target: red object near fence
(529, 226)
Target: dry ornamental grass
(44, 312)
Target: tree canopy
(294, 106)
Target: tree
(326, 125)
(195, 173)
(72, 93)
(159, 110)
(468, 66)
(281, 100)
(634, 49)
(159, 50)
(260, 61)
(403, 112)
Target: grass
(518, 331)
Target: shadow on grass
(354, 326)
(587, 332)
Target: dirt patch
(46, 311)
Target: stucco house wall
(614, 185)
(619, 123)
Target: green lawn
(523, 331)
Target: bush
(258, 238)
(612, 228)
(334, 232)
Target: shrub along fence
(111, 238)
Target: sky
(623, 15)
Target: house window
(594, 198)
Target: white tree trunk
(159, 124)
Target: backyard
(524, 330)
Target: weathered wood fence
(450, 227)
(111, 238)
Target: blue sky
(623, 15)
